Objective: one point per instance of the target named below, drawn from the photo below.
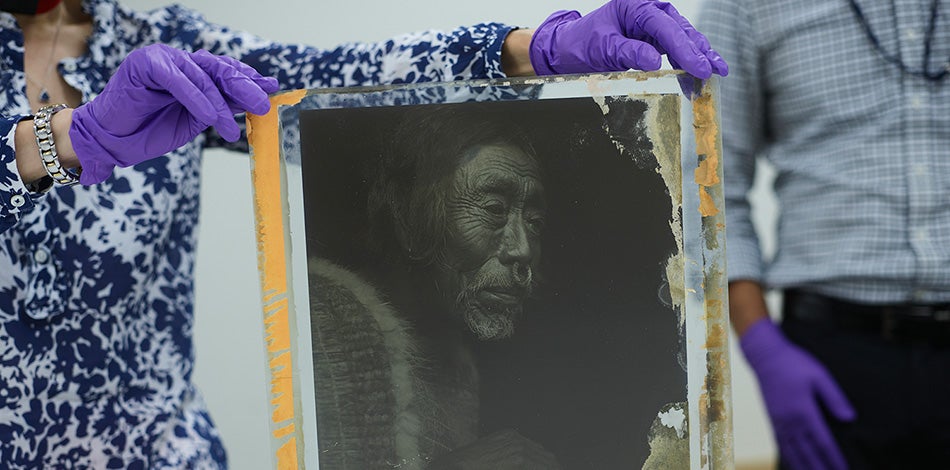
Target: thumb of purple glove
(159, 99)
(622, 35)
(795, 386)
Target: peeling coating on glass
(661, 127)
(669, 446)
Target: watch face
(29, 7)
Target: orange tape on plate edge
(263, 133)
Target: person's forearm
(746, 304)
(515, 61)
(28, 160)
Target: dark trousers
(894, 370)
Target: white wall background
(228, 332)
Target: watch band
(43, 129)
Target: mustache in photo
(504, 280)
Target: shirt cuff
(744, 260)
(16, 198)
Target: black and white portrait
(488, 285)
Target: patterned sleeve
(464, 53)
(15, 199)
(471, 52)
(730, 27)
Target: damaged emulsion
(655, 142)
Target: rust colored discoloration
(707, 206)
(715, 401)
(263, 135)
(707, 146)
(716, 335)
(706, 171)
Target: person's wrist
(747, 304)
(515, 53)
(45, 138)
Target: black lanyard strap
(895, 59)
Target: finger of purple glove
(192, 79)
(236, 82)
(690, 85)
(207, 81)
(171, 70)
(838, 405)
(792, 457)
(715, 60)
(633, 54)
(701, 42)
(718, 64)
(833, 398)
(800, 428)
(238, 92)
(669, 35)
(825, 447)
(823, 453)
(268, 84)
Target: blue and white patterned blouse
(96, 283)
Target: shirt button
(69, 66)
(911, 34)
(916, 102)
(920, 169)
(17, 200)
(41, 256)
(920, 234)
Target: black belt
(895, 322)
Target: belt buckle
(942, 314)
(936, 313)
(915, 322)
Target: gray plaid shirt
(862, 150)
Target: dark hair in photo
(406, 203)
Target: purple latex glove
(795, 386)
(159, 99)
(622, 35)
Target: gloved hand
(159, 99)
(795, 386)
(622, 35)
